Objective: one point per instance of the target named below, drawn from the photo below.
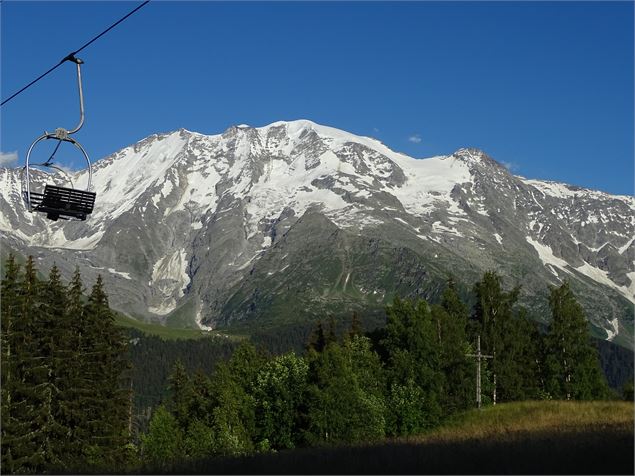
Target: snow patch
(546, 254)
(612, 330)
(602, 277)
(199, 319)
(622, 249)
(438, 227)
(125, 275)
(169, 280)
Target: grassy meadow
(170, 333)
(546, 437)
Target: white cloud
(511, 166)
(415, 139)
(8, 159)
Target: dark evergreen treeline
(66, 400)
(399, 380)
(153, 358)
(72, 401)
(617, 363)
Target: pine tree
(457, 368)
(356, 328)
(52, 330)
(572, 365)
(19, 444)
(520, 377)
(331, 335)
(77, 396)
(107, 406)
(317, 339)
(181, 394)
(62, 401)
(28, 396)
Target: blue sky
(544, 87)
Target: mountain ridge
(181, 212)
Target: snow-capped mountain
(295, 220)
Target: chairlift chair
(67, 203)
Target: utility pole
(478, 357)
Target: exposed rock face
(262, 226)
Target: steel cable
(70, 55)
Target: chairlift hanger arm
(62, 132)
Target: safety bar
(26, 171)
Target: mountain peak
(472, 154)
(179, 210)
(475, 156)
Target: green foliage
(199, 441)
(163, 444)
(153, 359)
(339, 408)
(21, 433)
(279, 391)
(509, 337)
(406, 405)
(232, 403)
(413, 345)
(65, 404)
(451, 317)
(572, 368)
(181, 390)
(404, 379)
(233, 414)
(318, 338)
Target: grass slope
(517, 438)
(169, 333)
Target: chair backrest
(64, 201)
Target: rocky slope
(288, 222)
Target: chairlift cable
(71, 56)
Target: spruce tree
(34, 370)
(181, 394)
(457, 368)
(356, 328)
(108, 405)
(20, 451)
(317, 339)
(63, 405)
(78, 393)
(52, 330)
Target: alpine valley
(284, 224)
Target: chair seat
(59, 202)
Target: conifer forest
(82, 394)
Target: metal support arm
(61, 133)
